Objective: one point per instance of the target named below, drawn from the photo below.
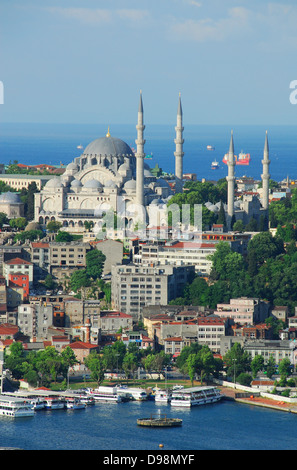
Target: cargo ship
(215, 165)
(242, 159)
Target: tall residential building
(133, 286)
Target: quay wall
(255, 391)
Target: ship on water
(215, 165)
(242, 159)
(210, 147)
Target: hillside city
(150, 300)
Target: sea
(225, 425)
(56, 144)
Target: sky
(85, 61)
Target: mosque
(108, 176)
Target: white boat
(215, 165)
(15, 407)
(138, 394)
(195, 396)
(52, 403)
(162, 396)
(210, 147)
(87, 400)
(108, 394)
(75, 404)
(38, 403)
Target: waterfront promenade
(257, 400)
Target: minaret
(231, 178)
(179, 146)
(140, 155)
(265, 175)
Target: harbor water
(226, 425)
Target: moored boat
(75, 404)
(15, 407)
(195, 396)
(162, 396)
(52, 403)
(107, 394)
(38, 403)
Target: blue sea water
(222, 426)
(56, 143)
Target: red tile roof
(17, 261)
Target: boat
(162, 396)
(242, 159)
(15, 407)
(52, 403)
(107, 394)
(210, 147)
(75, 404)
(38, 403)
(138, 394)
(87, 400)
(215, 165)
(159, 421)
(148, 157)
(195, 396)
(80, 146)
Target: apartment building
(40, 257)
(34, 320)
(278, 349)
(65, 258)
(18, 266)
(176, 253)
(244, 310)
(134, 286)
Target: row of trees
(39, 368)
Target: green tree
(96, 364)
(53, 226)
(237, 361)
(284, 368)
(79, 279)
(64, 237)
(95, 261)
(257, 364)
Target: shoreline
(230, 394)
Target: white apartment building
(177, 253)
(244, 311)
(34, 320)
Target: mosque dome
(10, 198)
(72, 167)
(110, 184)
(162, 183)
(93, 184)
(54, 183)
(108, 146)
(76, 183)
(131, 184)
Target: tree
(257, 364)
(49, 282)
(193, 365)
(19, 223)
(237, 361)
(53, 226)
(284, 368)
(29, 207)
(79, 279)
(130, 363)
(3, 219)
(95, 261)
(96, 364)
(64, 237)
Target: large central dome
(108, 146)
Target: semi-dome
(108, 146)
(10, 198)
(72, 166)
(110, 184)
(162, 183)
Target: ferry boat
(38, 403)
(52, 403)
(75, 404)
(138, 394)
(210, 147)
(87, 400)
(15, 407)
(195, 396)
(215, 165)
(107, 394)
(242, 159)
(162, 396)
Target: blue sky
(85, 61)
